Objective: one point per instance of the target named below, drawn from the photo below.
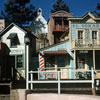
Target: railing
(60, 28)
(83, 43)
(75, 76)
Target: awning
(12, 35)
(59, 52)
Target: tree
(60, 5)
(97, 10)
(18, 11)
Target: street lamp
(27, 42)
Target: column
(27, 65)
(93, 59)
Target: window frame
(22, 68)
(49, 61)
(92, 35)
(83, 40)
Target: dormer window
(13, 40)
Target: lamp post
(27, 42)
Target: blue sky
(77, 7)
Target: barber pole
(41, 62)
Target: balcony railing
(60, 28)
(85, 43)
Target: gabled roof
(11, 25)
(61, 13)
(84, 16)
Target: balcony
(60, 28)
(83, 43)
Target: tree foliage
(60, 5)
(18, 11)
(97, 10)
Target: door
(12, 64)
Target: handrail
(87, 43)
(31, 81)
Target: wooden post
(31, 80)
(58, 82)
(27, 66)
(93, 83)
(74, 61)
(93, 59)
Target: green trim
(22, 68)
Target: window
(81, 62)
(13, 40)
(19, 61)
(94, 34)
(94, 37)
(13, 43)
(61, 60)
(80, 36)
(49, 61)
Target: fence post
(31, 79)
(58, 82)
(93, 83)
(38, 74)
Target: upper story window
(80, 34)
(13, 40)
(94, 34)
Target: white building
(39, 24)
(39, 28)
(14, 37)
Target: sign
(86, 25)
(2, 24)
(83, 51)
(16, 52)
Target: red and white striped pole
(41, 62)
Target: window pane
(19, 61)
(94, 34)
(80, 34)
(49, 61)
(61, 60)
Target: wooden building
(80, 52)
(20, 43)
(85, 42)
(57, 26)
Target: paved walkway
(50, 96)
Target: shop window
(19, 61)
(16, 61)
(61, 61)
(49, 61)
